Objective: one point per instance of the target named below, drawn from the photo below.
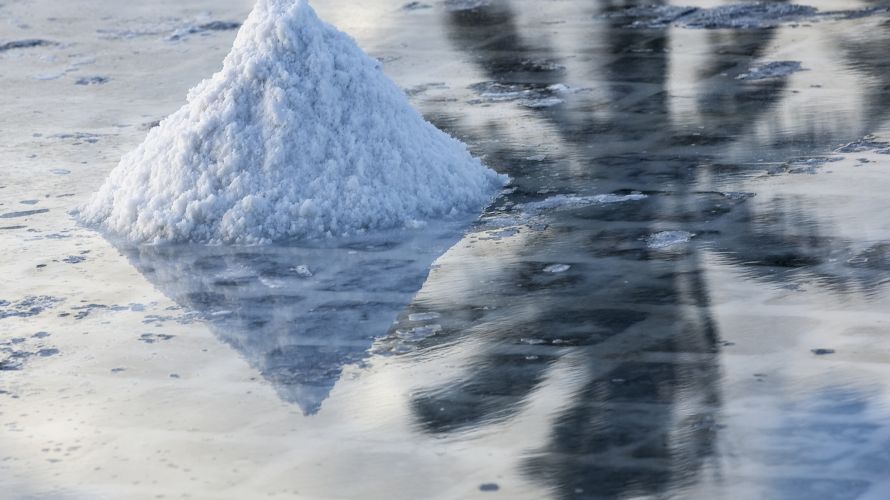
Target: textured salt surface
(300, 135)
(772, 69)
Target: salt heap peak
(299, 136)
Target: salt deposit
(300, 135)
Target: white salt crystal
(300, 135)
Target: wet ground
(683, 293)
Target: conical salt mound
(300, 135)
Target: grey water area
(683, 294)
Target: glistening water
(682, 295)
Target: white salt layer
(300, 135)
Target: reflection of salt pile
(300, 135)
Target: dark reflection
(632, 319)
(298, 314)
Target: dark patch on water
(25, 44)
(745, 16)
(78, 137)
(822, 351)
(371, 246)
(416, 6)
(204, 28)
(24, 213)
(85, 310)
(220, 26)
(183, 319)
(92, 80)
(527, 95)
(74, 259)
(151, 338)
(466, 5)
(501, 382)
(791, 260)
(15, 353)
(875, 257)
(424, 87)
(31, 305)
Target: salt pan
(299, 136)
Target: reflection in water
(298, 314)
(634, 322)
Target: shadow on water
(297, 314)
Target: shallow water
(682, 295)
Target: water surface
(681, 295)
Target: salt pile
(300, 135)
